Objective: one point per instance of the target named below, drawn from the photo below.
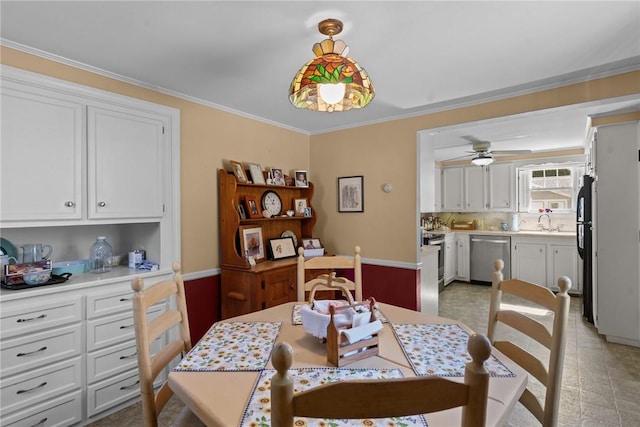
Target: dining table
(228, 369)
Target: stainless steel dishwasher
(485, 249)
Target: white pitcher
(33, 252)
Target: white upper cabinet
(41, 151)
(477, 189)
(501, 181)
(125, 166)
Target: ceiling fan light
(482, 160)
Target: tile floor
(600, 385)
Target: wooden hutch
(246, 288)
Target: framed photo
(311, 244)
(252, 208)
(238, 171)
(307, 212)
(277, 176)
(299, 205)
(351, 194)
(256, 173)
(301, 178)
(282, 247)
(251, 242)
(241, 212)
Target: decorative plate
(289, 233)
(10, 249)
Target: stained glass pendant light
(332, 81)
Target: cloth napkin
(361, 332)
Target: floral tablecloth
(258, 410)
(440, 350)
(233, 346)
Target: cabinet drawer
(62, 411)
(109, 302)
(115, 329)
(25, 318)
(106, 394)
(38, 385)
(39, 349)
(115, 359)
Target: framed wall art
(256, 173)
(351, 194)
(238, 171)
(282, 247)
(251, 242)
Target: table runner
(296, 317)
(441, 350)
(257, 413)
(233, 346)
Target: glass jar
(100, 256)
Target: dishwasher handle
(490, 241)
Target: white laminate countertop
(523, 233)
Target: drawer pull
(126, 326)
(31, 352)
(127, 387)
(32, 389)
(125, 299)
(42, 316)
(42, 421)
(129, 356)
(237, 296)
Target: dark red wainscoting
(203, 305)
(392, 285)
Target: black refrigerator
(584, 230)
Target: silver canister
(135, 259)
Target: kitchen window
(548, 186)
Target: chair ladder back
(382, 398)
(526, 325)
(531, 292)
(330, 280)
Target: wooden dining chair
(553, 339)
(150, 366)
(329, 281)
(382, 398)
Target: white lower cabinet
(543, 260)
(69, 356)
(463, 269)
(449, 258)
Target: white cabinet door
(462, 257)
(438, 190)
(452, 189)
(449, 259)
(501, 184)
(563, 261)
(41, 166)
(529, 262)
(126, 150)
(474, 185)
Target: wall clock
(271, 202)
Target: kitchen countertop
(524, 233)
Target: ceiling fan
(482, 152)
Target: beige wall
(387, 153)
(209, 138)
(382, 153)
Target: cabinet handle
(102, 204)
(31, 352)
(42, 421)
(29, 319)
(540, 250)
(126, 326)
(127, 387)
(32, 389)
(125, 299)
(69, 204)
(237, 296)
(129, 356)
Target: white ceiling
(422, 56)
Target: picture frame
(238, 171)
(281, 247)
(251, 242)
(311, 243)
(299, 205)
(307, 212)
(256, 173)
(300, 178)
(241, 211)
(351, 194)
(252, 207)
(277, 176)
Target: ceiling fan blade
(471, 138)
(466, 156)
